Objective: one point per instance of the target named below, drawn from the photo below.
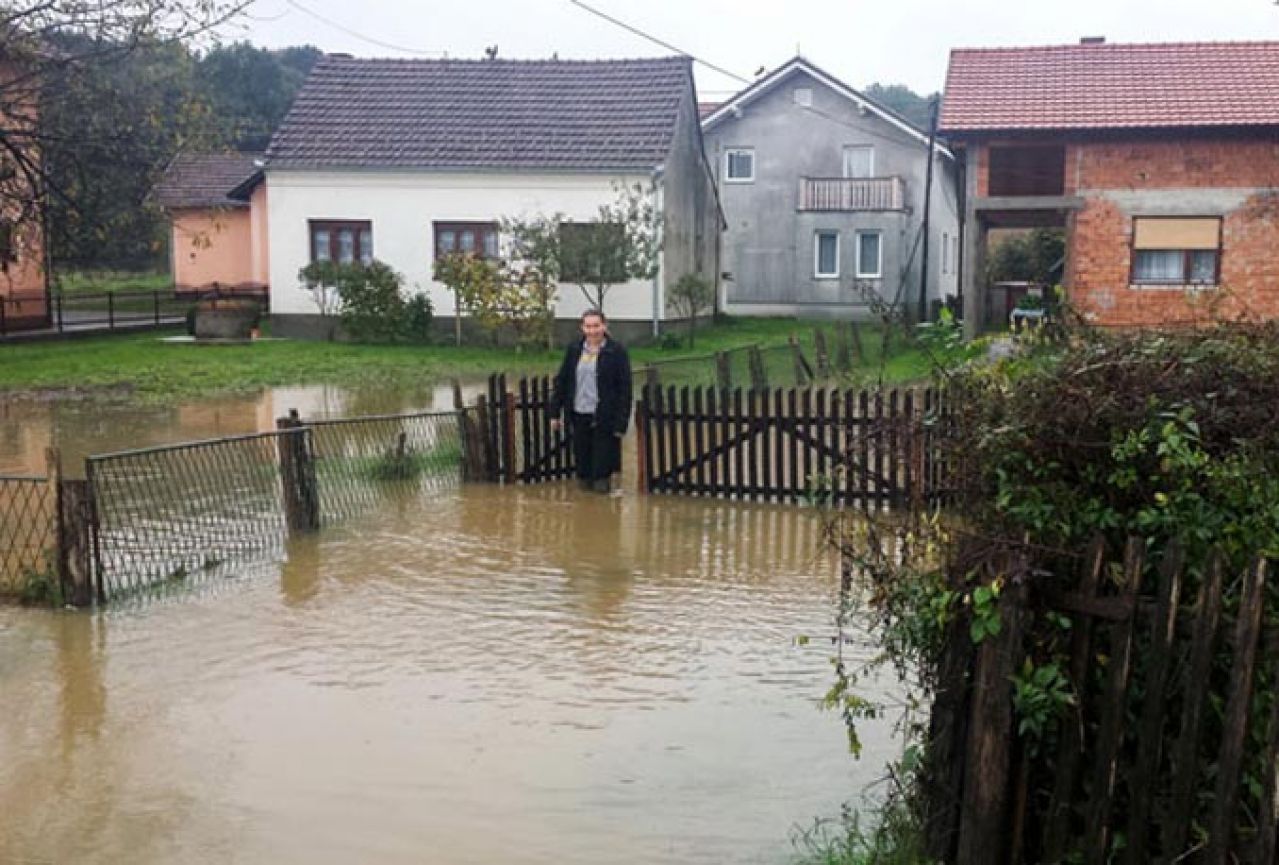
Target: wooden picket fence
(1169, 754)
(519, 444)
(842, 446)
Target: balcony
(851, 193)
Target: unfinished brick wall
(1107, 174)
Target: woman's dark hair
(598, 313)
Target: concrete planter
(226, 319)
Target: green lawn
(159, 372)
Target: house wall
(402, 207)
(1235, 177)
(690, 216)
(769, 243)
(211, 245)
(22, 276)
(259, 254)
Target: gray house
(823, 192)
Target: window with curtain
(343, 241)
(1176, 250)
(826, 255)
(869, 265)
(477, 238)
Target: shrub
(370, 297)
(418, 315)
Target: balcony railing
(852, 193)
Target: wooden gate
(842, 446)
(522, 445)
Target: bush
(418, 315)
(370, 300)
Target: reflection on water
(91, 426)
(496, 675)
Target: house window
(804, 97)
(826, 255)
(1176, 250)
(859, 161)
(592, 253)
(476, 238)
(341, 240)
(869, 258)
(739, 165)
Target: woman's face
(593, 328)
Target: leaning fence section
(28, 525)
(169, 513)
(1168, 749)
(840, 446)
(520, 443)
(358, 461)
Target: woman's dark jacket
(612, 382)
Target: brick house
(1161, 161)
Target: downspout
(659, 205)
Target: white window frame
(817, 253)
(738, 151)
(851, 147)
(857, 238)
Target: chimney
(1093, 40)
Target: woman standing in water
(593, 394)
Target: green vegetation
(896, 839)
(89, 281)
(153, 371)
(1168, 437)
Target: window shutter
(1179, 233)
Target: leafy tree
(497, 295)
(904, 101)
(250, 89)
(63, 64)
(691, 294)
(1034, 256)
(623, 244)
(533, 250)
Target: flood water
(513, 675)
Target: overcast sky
(890, 41)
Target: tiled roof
(1101, 86)
(568, 115)
(706, 109)
(203, 179)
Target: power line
(357, 35)
(651, 38)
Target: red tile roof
(1101, 86)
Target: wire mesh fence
(28, 525)
(358, 461)
(169, 513)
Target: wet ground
(514, 675)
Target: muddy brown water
(527, 675)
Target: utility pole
(928, 195)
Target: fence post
(508, 436)
(155, 301)
(819, 353)
(759, 378)
(110, 310)
(987, 805)
(58, 296)
(641, 441)
(297, 470)
(723, 372)
(651, 378)
(798, 358)
(4, 328)
(855, 337)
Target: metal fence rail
(359, 460)
(167, 513)
(28, 525)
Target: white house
(404, 160)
